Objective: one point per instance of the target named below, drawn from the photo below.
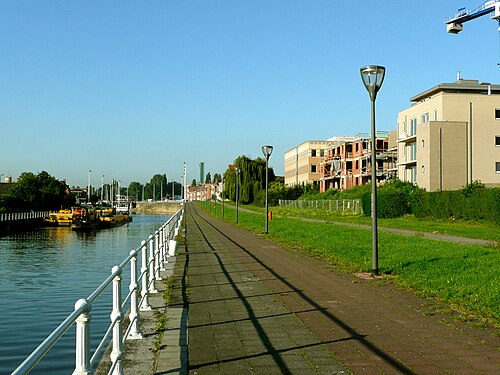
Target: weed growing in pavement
(167, 293)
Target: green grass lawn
(482, 230)
(465, 277)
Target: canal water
(44, 272)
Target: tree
(193, 183)
(208, 178)
(135, 190)
(40, 192)
(159, 183)
(251, 179)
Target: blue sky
(130, 89)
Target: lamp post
(222, 197)
(267, 151)
(237, 171)
(88, 187)
(102, 188)
(373, 77)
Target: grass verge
(465, 277)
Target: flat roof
(460, 86)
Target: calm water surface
(44, 272)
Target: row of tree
(36, 192)
(44, 192)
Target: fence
(344, 206)
(19, 216)
(161, 245)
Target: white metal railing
(161, 245)
(18, 216)
(352, 206)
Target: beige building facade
(450, 136)
(302, 163)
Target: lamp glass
(267, 150)
(373, 77)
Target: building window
(423, 143)
(497, 167)
(423, 169)
(497, 140)
(424, 118)
(313, 153)
(435, 115)
(313, 168)
(413, 126)
(497, 114)
(322, 153)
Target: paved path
(256, 308)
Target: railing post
(145, 306)
(162, 247)
(117, 319)
(152, 287)
(82, 360)
(165, 242)
(157, 255)
(134, 313)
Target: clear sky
(129, 89)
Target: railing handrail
(24, 215)
(85, 364)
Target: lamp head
(267, 151)
(373, 77)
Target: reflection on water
(44, 272)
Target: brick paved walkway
(256, 308)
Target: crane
(455, 25)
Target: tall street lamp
(88, 187)
(102, 189)
(222, 197)
(237, 171)
(267, 151)
(373, 77)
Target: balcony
(405, 138)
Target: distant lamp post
(88, 187)
(222, 197)
(267, 151)
(373, 77)
(237, 171)
(102, 189)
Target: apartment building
(302, 163)
(450, 136)
(348, 160)
(202, 192)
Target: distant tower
(202, 172)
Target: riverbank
(156, 207)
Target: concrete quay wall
(157, 207)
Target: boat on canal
(84, 218)
(62, 218)
(118, 215)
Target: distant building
(5, 187)
(348, 160)
(302, 163)
(450, 136)
(201, 192)
(80, 194)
